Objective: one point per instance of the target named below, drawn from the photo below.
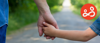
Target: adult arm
(45, 15)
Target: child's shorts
(96, 26)
(3, 33)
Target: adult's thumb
(46, 24)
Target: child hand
(49, 29)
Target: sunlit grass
(55, 9)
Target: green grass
(55, 9)
(20, 19)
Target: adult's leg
(3, 33)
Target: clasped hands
(48, 29)
(47, 25)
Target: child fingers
(44, 28)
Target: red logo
(88, 11)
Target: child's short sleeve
(96, 26)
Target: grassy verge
(16, 20)
(56, 9)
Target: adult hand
(46, 18)
(49, 29)
(40, 25)
(45, 15)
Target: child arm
(76, 35)
(69, 34)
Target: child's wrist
(55, 32)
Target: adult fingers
(56, 27)
(48, 37)
(52, 38)
(44, 35)
(46, 24)
(40, 30)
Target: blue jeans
(96, 26)
(3, 33)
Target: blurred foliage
(80, 3)
(77, 5)
(23, 12)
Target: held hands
(48, 18)
(49, 29)
(45, 16)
